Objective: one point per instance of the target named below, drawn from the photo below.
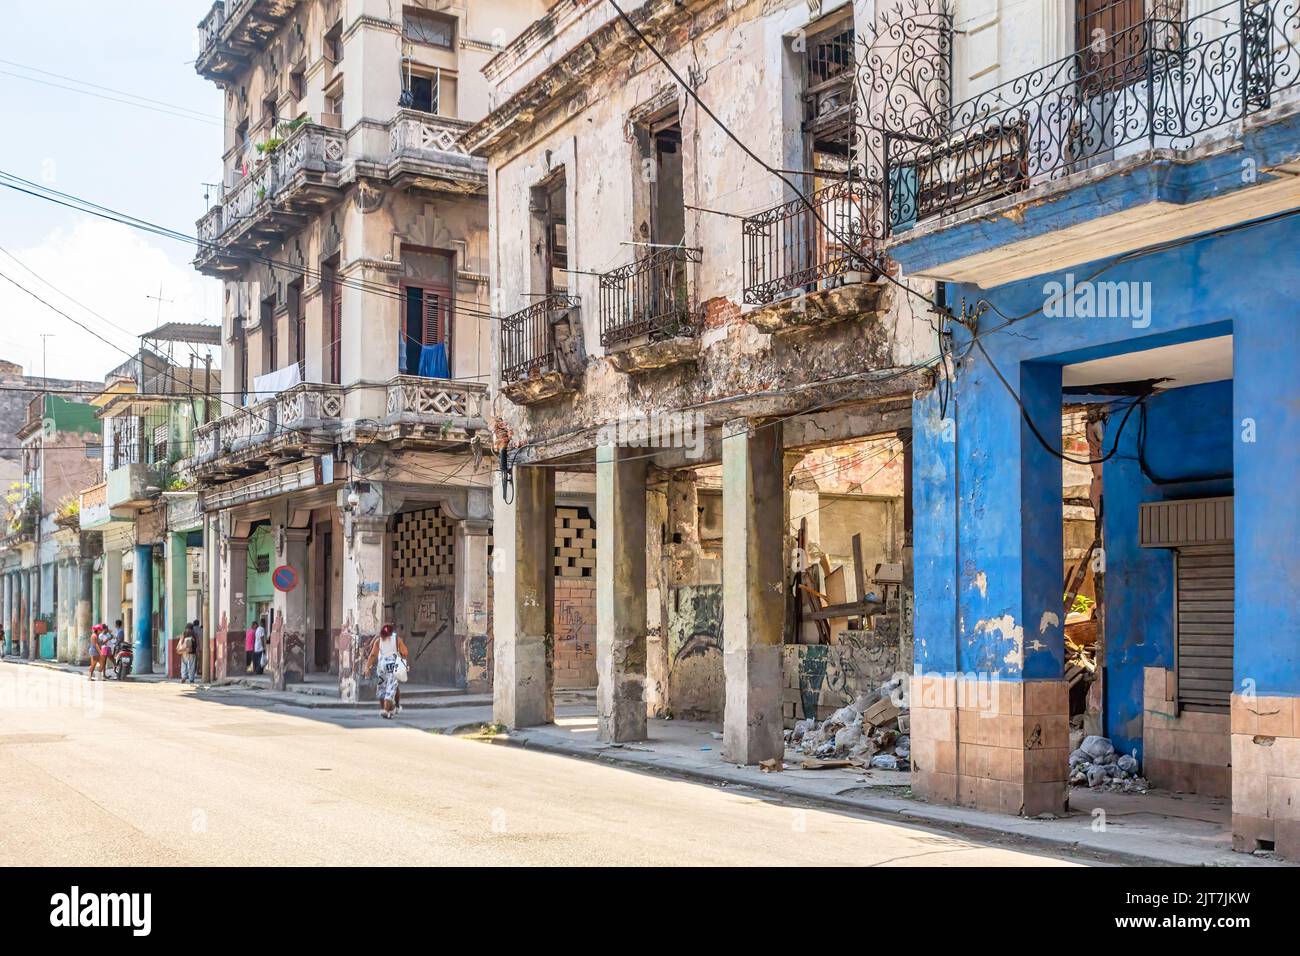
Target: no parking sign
(284, 578)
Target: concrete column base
(991, 745)
(1266, 775)
(752, 729)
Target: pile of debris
(1095, 764)
(870, 732)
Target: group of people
(104, 647)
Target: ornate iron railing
(650, 297)
(528, 338)
(789, 247)
(1161, 83)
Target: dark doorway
(324, 632)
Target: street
(159, 773)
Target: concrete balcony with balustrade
(310, 419)
(281, 194)
(234, 30)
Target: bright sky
(146, 162)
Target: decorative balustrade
(206, 441)
(528, 346)
(210, 26)
(1160, 83)
(434, 399)
(792, 247)
(309, 405)
(309, 148)
(650, 297)
(416, 132)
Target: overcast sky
(147, 162)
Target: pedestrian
(259, 645)
(96, 651)
(185, 646)
(250, 641)
(387, 660)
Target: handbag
(402, 670)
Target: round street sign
(284, 578)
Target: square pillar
(471, 614)
(232, 615)
(7, 592)
(23, 584)
(1265, 707)
(753, 589)
(111, 602)
(620, 593)
(176, 576)
(287, 653)
(142, 608)
(989, 706)
(365, 555)
(524, 599)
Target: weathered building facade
(692, 354)
(352, 446)
(1109, 191)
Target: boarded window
(423, 26)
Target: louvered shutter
(336, 333)
(1204, 626)
(434, 318)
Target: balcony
(309, 419)
(434, 410)
(283, 191)
(810, 266)
(233, 31)
(425, 152)
(540, 351)
(20, 523)
(134, 485)
(1124, 125)
(647, 319)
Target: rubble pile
(870, 732)
(1095, 764)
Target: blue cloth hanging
(433, 361)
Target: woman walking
(387, 660)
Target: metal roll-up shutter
(1204, 624)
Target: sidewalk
(1157, 828)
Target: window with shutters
(270, 337)
(425, 331)
(297, 327)
(333, 289)
(1111, 37)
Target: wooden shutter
(434, 317)
(1204, 626)
(1120, 58)
(336, 331)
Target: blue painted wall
(987, 497)
(1189, 435)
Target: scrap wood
(816, 764)
(771, 765)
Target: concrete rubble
(870, 732)
(1096, 764)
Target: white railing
(416, 132)
(411, 396)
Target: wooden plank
(859, 572)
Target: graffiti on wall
(821, 678)
(696, 685)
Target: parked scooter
(123, 660)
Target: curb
(872, 809)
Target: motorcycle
(122, 661)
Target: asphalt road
(156, 773)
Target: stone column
(232, 615)
(142, 608)
(23, 584)
(524, 599)
(620, 593)
(657, 590)
(365, 554)
(176, 577)
(471, 617)
(7, 586)
(209, 602)
(753, 589)
(85, 602)
(33, 610)
(287, 653)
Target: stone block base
(1189, 751)
(991, 745)
(1266, 774)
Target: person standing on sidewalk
(186, 646)
(387, 660)
(250, 641)
(259, 646)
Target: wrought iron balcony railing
(789, 248)
(528, 347)
(1161, 83)
(650, 298)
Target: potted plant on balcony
(69, 513)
